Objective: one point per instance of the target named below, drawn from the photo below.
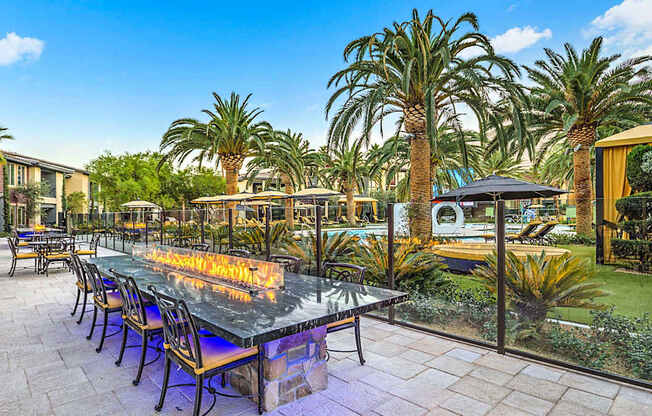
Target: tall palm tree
(4, 136)
(344, 166)
(229, 136)
(575, 95)
(419, 70)
(288, 155)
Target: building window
(22, 217)
(21, 179)
(12, 172)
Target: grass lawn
(630, 293)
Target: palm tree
(228, 137)
(575, 95)
(289, 155)
(4, 136)
(343, 165)
(417, 69)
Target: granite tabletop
(306, 302)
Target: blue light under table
(288, 323)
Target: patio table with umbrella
(141, 206)
(499, 189)
(314, 193)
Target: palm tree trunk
(289, 211)
(420, 185)
(350, 205)
(582, 136)
(232, 165)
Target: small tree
(75, 203)
(29, 194)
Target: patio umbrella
(139, 204)
(498, 189)
(315, 193)
(270, 195)
(217, 199)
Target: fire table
(287, 318)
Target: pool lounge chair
(540, 236)
(521, 236)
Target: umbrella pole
(500, 272)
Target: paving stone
(98, 405)
(432, 346)
(637, 395)
(463, 354)
(480, 390)
(544, 373)
(438, 411)
(590, 384)
(502, 363)
(466, 406)
(491, 375)
(421, 394)
(382, 381)
(543, 389)
(386, 349)
(592, 401)
(71, 393)
(357, 396)
(564, 408)
(451, 365)
(504, 410)
(375, 334)
(349, 370)
(528, 403)
(34, 360)
(399, 367)
(38, 405)
(56, 379)
(416, 356)
(626, 406)
(397, 406)
(436, 378)
(402, 339)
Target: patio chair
(521, 236)
(360, 221)
(376, 219)
(200, 357)
(353, 274)
(239, 252)
(540, 236)
(108, 301)
(289, 263)
(92, 247)
(56, 252)
(83, 285)
(200, 247)
(343, 219)
(18, 242)
(138, 316)
(16, 257)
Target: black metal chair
(351, 273)
(238, 252)
(289, 263)
(138, 316)
(83, 285)
(92, 247)
(56, 252)
(18, 242)
(200, 357)
(16, 257)
(108, 301)
(200, 247)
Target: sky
(81, 77)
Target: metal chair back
(289, 263)
(97, 283)
(345, 272)
(133, 305)
(75, 264)
(238, 252)
(179, 329)
(200, 247)
(12, 247)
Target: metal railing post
(202, 213)
(390, 257)
(268, 249)
(230, 228)
(161, 220)
(146, 232)
(318, 231)
(500, 265)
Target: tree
(75, 202)
(421, 71)
(228, 137)
(289, 155)
(30, 195)
(575, 95)
(343, 167)
(4, 136)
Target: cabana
(611, 182)
(358, 200)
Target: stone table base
(294, 367)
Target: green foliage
(537, 284)
(638, 229)
(254, 237)
(576, 344)
(632, 206)
(638, 171)
(29, 194)
(636, 249)
(557, 239)
(75, 202)
(5, 200)
(338, 247)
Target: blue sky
(79, 77)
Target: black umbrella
(498, 189)
(495, 187)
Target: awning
(637, 135)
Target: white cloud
(514, 40)
(14, 48)
(517, 39)
(626, 27)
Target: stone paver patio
(49, 368)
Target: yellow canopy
(209, 199)
(358, 199)
(270, 195)
(637, 135)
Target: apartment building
(60, 179)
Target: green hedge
(637, 249)
(638, 229)
(638, 178)
(632, 206)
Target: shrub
(638, 174)
(638, 229)
(632, 206)
(568, 239)
(577, 345)
(637, 249)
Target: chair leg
(125, 330)
(164, 388)
(261, 382)
(74, 310)
(90, 335)
(81, 316)
(223, 380)
(199, 390)
(12, 268)
(358, 342)
(143, 355)
(106, 323)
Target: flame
(233, 269)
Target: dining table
(288, 323)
